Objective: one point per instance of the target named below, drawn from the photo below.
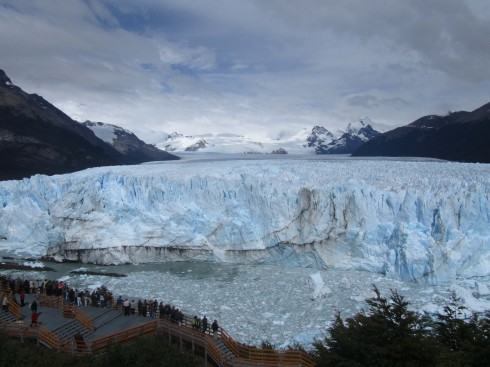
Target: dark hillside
(460, 136)
(38, 138)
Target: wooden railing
(51, 301)
(236, 348)
(2, 287)
(48, 337)
(242, 355)
(213, 351)
(184, 332)
(264, 357)
(77, 313)
(13, 307)
(102, 344)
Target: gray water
(252, 302)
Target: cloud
(370, 101)
(248, 66)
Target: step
(227, 353)
(68, 330)
(7, 316)
(106, 318)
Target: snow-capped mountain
(321, 136)
(354, 136)
(306, 141)
(36, 137)
(126, 143)
(421, 221)
(228, 143)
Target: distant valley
(316, 140)
(38, 138)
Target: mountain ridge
(458, 136)
(317, 140)
(38, 138)
(127, 143)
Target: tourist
(140, 308)
(215, 327)
(119, 303)
(22, 296)
(150, 308)
(161, 310)
(5, 303)
(34, 319)
(144, 308)
(167, 311)
(71, 296)
(108, 299)
(204, 324)
(37, 285)
(127, 306)
(155, 308)
(86, 297)
(79, 341)
(95, 298)
(79, 297)
(33, 306)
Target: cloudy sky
(253, 67)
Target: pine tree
(389, 334)
(463, 340)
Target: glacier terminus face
(424, 221)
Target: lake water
(253, 303)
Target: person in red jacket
(22, 298)
(34, 318)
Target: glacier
(410, 220)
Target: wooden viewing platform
(102, 328)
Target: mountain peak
(458, 136)
(4, 79)
(354, 127)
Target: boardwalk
(102, 327)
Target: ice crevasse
(422, 221)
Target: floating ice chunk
(58, 258)
(321, 290)
(344, 283)
(466, 296)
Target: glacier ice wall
(424, 221)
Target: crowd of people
(101, 297)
